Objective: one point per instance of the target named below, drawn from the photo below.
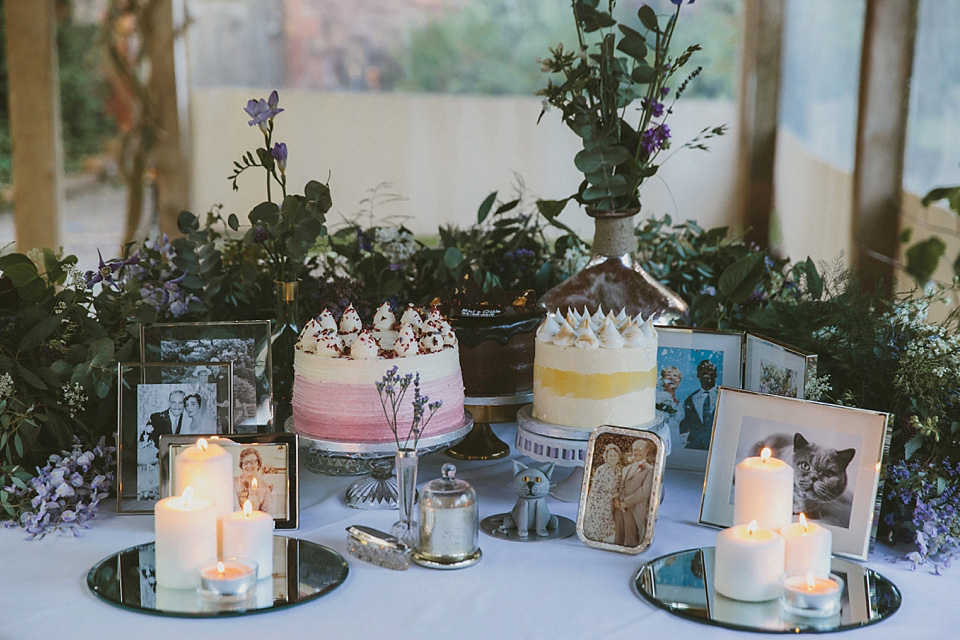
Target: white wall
(443, 153)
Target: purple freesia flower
(655, 138)
(260, 111)
(656, 109)
(279, 153)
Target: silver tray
(309, 570)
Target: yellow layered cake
(592, 370)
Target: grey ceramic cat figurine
(531, 512)
(819, 476)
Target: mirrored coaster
(493, 525)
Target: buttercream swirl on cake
(338, 362)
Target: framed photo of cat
(619, 497)
(836, 453)
(692, 364)
(776, 368)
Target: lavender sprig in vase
(392, 389)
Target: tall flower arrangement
(615, 90)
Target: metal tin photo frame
(852, 440)
(776, 368)
(245, 343)
(691, 366)
(157, 398)
(272, 458)
(620, 494)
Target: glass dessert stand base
(127, 579)
(682, 583)
(566, 447)
(379, 490)
(482, 443)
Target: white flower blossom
(6, 386)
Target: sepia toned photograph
(835, 451)
(621, 487)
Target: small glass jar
(449, 522)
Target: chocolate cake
(496, 333)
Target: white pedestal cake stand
(379, 489)
(566, 447)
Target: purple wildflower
(279, 153)
(104, 272)
(656, 108)
(655, 138)
(260, 111)
(260, 234)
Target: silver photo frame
(815, 438)
(686, 392)
(245, 343)
(776, 368)
(620, 494)
(272, 458)
(158, 398)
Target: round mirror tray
(682, 583)
(302, 571)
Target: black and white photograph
(835, 452)
(245, 344)
(622, 479)
(777, 369)
(264, 472)
(158, 399)
(691, 366)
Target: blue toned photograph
(687, 393)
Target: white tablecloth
(553, 589)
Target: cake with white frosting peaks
(338, 363)
(592, 370)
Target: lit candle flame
(202, 444)
(765, 454)
(752, 527)
(803, 523)
(811, 582)
(247, 508)
(254, 484)
(220, 568)
(187, 495)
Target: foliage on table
(613, 91)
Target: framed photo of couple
(835, 451)
(246, 344)
(692, 364)
(164, 398)
(620, 494)
(264, 472)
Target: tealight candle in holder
(228, 580)
(811, 594)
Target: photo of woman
(605, 484)
(251, 483)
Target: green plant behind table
(923, 257)
(616, 90)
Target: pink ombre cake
(338, 363)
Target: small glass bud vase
(449, 522)
(405, 529)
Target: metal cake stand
(379, 489)
(482, 443)
(566, 447)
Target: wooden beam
(759, 99)
(35, 122)
(885, 68)
(168, 92)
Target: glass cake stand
(482, 443)
(566, 446)
(379, 489)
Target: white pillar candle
(748, 563)
(249, 534)
(763, 491)
(808, 546)
(186, 533)
(208, 468)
